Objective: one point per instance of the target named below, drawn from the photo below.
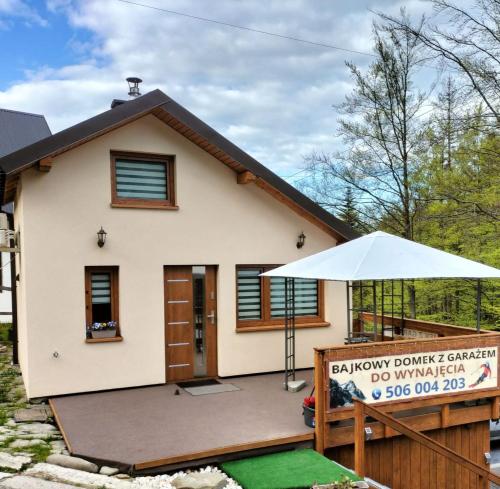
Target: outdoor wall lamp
(301, 240)
(101, 237)
(368, 433)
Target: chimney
(133, 91)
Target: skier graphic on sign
(484, 374)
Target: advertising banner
(408, 376)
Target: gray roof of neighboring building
(19, 129)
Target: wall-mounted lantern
(301, 240)
(101, 237)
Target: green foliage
(460, 213)
(4, 332)
(458, 195)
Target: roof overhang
(41, 153)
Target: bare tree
(470, 45)
(382, 131)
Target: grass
(296, 469)
(4, 416)
(7, 379)
(39, 453)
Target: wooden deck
(150, 427)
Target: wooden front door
(190, 322)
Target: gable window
(101, 304)
(142, 180)
(261, 300)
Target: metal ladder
(289, 330)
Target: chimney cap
(133, 86)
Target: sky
(273, 97)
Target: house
(17, 130)
(191, 221)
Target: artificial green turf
(296, 469)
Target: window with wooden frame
(142, 180)
(261, 300)
(101, 303)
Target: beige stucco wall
(218, 222)
(22, 321)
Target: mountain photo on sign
(341, 395)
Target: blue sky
(33, 43)
(68, 59)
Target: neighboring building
(191, 221)
(17, 130)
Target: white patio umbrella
(376, 256)
(382, 256)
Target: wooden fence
(449, 418)
(463, 469)
(430, 327)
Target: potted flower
(103, 330)
(309, 409)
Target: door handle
(211, 316)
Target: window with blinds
(306, 297)
(100, 283)
(249, 293)
(261, 300)
(141, 180)
(137, 179)
(101, 294)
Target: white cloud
(271, 96)
(17, 9)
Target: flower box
(104, 333)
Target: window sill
(144, 205)
(280, 327)
(103, 340)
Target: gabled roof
(18, 129)
(187, 124)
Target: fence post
(359, 438)
(320, 405)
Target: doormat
(198, 383)
(211, 389)
(295, 469)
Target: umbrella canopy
(382, 256)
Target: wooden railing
(362, 410)
(439, 329)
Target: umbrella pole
(375, 332)
(348, 303)
(478, 305)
